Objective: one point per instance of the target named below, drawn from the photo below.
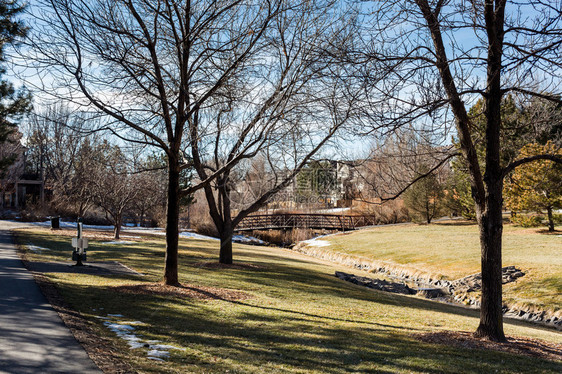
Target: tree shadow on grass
(455, 223)
(242, 337)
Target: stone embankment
(414, 281)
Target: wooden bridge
(304, 221)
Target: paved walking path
(33, 338)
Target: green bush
(527, 220)
(557, 218)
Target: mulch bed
(218, 265)
(183, 291)
(515, 344)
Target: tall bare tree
(440, 57)
(59, 148)
(111, 184)
(292, 102)
(164, 72)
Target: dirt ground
(183, 291)
(515, 344)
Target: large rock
(377, 284)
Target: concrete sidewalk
(33, 338)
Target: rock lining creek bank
(408, 282)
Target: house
(18, 188)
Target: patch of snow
(158, 354)
(117, 242)
(244, 239)
(163, 346)
(35, 248)
(136, 323)
(194, 235)
(125, 330)
(318, 243)
(116, 327)
(73, 224)
(146, 230)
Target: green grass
(300, 319)
(453, 251)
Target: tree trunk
(491, 227)
(490, 222)
(550, 219)
(225, 254)
(117, 228)
(172, 224)
(141, 219)
(227, 228)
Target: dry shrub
(34, 212)
(197, 218)
(205, 228)
(386, 213)
(271, 236)
(286, 238)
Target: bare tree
(165, 72)
(151, 194)
(59, 148)
(157, 70)
(442, 55)
(111, 184)
(285, 110)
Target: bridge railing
(304, 220)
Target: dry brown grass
(183, 291)
(515, 344)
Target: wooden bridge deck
(304, 221)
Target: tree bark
(491, 227)
(225, 254)
(117, 228)
(490, 221)
(172, 224)
(550, 219)
(227, 228)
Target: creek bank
(462, 291)
(457, 292)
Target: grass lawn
(452, 250)
(299, 317)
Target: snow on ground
(117, 242)
(194, 235)
(317, 243)
(70, 225)
(244, 239)
(126, 331)
(34, 248)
